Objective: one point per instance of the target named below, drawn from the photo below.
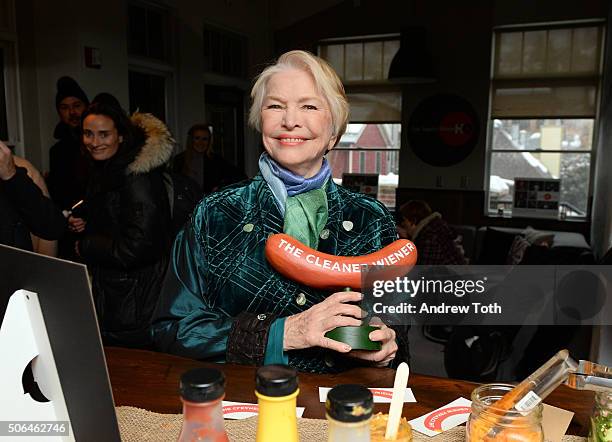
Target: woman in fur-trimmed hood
(125, 222)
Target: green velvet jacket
(221, 295)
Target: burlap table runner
(138, 425)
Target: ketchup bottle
(202, 390)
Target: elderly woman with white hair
(221, 300)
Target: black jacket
(126, 240)
(68, 168)
(24, 210)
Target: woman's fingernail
(347, 348)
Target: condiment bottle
(276, 388)
(202, 391)
(349, 411)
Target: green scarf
(306, 215)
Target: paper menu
(381, 395)
(444, 418)
(242, 410)
(555, 421)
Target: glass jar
(488, 423)
(348, 409)
(601, 420)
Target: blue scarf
(302, 201)
(284, 183)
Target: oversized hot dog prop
(318, 270)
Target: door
(225, 112)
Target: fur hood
(158, 146)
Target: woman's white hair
(325, 78)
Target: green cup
(356, 337)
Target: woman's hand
(76, 225)
(307, 329)
(386, 336)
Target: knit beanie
(107, 99)
(67, 87)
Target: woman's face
(296, 122)
(201, 140)
(100, 137)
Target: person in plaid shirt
(436, 241)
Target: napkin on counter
(242, 410)
(381, 395)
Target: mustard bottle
(276, 388)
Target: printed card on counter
(242, 410)
(444, 418)
(381, 395)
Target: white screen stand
(23, 338)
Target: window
(225, 52)
(151, 67)
(10, 108)
(10, 111)
(371, 143)
(544, 95)
(147, 93)
(148, 32)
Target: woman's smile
(288, 140)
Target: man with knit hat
(68, 165)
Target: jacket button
(248, 227)
(348, 225)
(300, 299)
(329, 361)
(324, 234)
(261, 316)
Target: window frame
(550, 80)
(12, 87)
(364, 39)
(169, 43)
(369, 86)
(166, 68)
(225, 32)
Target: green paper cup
(356, 337)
